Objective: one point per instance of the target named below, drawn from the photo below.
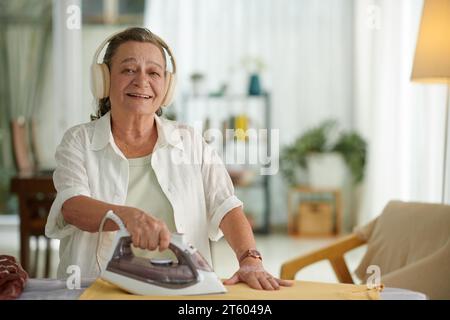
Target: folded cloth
(12, 278)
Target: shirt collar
(168, 133)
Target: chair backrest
(21, 146)
(410, 243)
(36, 193)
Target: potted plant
(353, 149)
(324, 160)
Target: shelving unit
(198, 111)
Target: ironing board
(301, 290)
(53, 289)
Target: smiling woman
(126, 161)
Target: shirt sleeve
(219, 190)
(70, 180)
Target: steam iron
(191, 275)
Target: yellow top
(301, 290)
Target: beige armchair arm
(334, 253)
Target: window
(113, 11)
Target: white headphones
(100, 77)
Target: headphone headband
(101, 46)
(160, 41)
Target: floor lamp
(432, 57)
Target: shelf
(226, 97)
(195, 111)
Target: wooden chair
(334, 253)
(36, 193)
(23, 157)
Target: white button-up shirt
(89, 163)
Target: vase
(254, 88)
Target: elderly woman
(126, 161)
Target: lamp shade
(432, 57)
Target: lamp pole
(444, 176)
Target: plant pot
(300, 176)
(326, 170)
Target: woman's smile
(136, 95)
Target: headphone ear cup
(170, 88)
(106, 80)
(100, 80)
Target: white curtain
(402, 121)
(306, 46)
(64, 107)
(348, 60)
(294, 38)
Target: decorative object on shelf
(349, 145)
(254, 66)
(241, 126)
(221, 92)
(197, 80)
(254, 88)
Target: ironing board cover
(301, 290)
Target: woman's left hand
(252, 272)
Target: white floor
(275, 249)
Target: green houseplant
(350, 145)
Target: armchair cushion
(410, 242)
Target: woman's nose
(141, 80)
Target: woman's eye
(129, 71)
(154, 74)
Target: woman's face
(137, 77)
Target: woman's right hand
(146, 232)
